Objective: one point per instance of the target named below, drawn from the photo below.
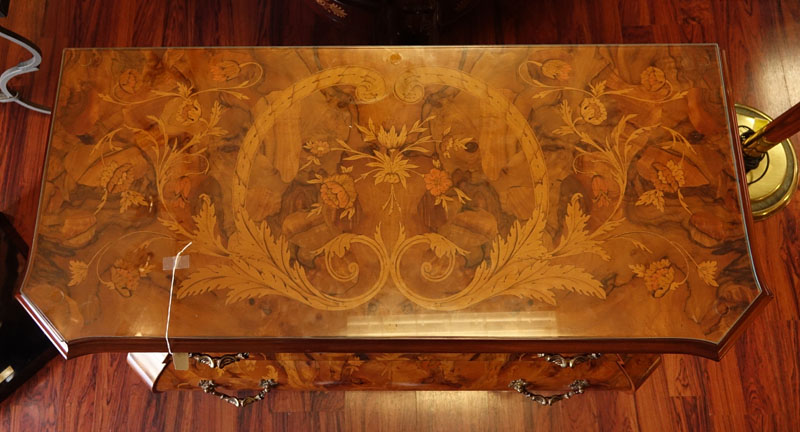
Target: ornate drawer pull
(566, 362)
(211, 388)
(577, 387)
(218, 362)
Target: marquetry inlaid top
(485, 192)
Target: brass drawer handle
(218, 362)
(577, 387)
(209, 387)
(566, 362)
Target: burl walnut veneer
(395, 200)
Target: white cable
(171, 287)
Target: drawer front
(327, 371)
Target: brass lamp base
(773, 182)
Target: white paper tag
(168, 262)
(181, 361)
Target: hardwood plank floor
(755, 387)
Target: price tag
(181, 361)
(168, 262)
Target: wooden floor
(755, 387)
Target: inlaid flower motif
(123, 276)
(707, 271)
(392, 139)
(391, 176)
(593, 111)
(556, 69)
(670, 177)
(115, 177)
(600, 191)
(338, 191)
(188, 112)
(181, 190)
(390, 163)
(391, 168)
(129, 81)
(78, 271)
(659, 276)
(437, 182)
(653, 79)
(130, 198)
(225, 70)
(317, 147)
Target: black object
(23, 346)
(750, 162)
(403, 22)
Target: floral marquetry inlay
(344, 192)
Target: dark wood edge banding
(765, 295)
(83, 346)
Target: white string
(171, 287)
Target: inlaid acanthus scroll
(259, 263)
(393, 192)
(488, 182)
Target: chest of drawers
(348, 215)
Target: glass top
(417, 192)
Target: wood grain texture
(755, 387)
(445, 192)
(408, 372)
